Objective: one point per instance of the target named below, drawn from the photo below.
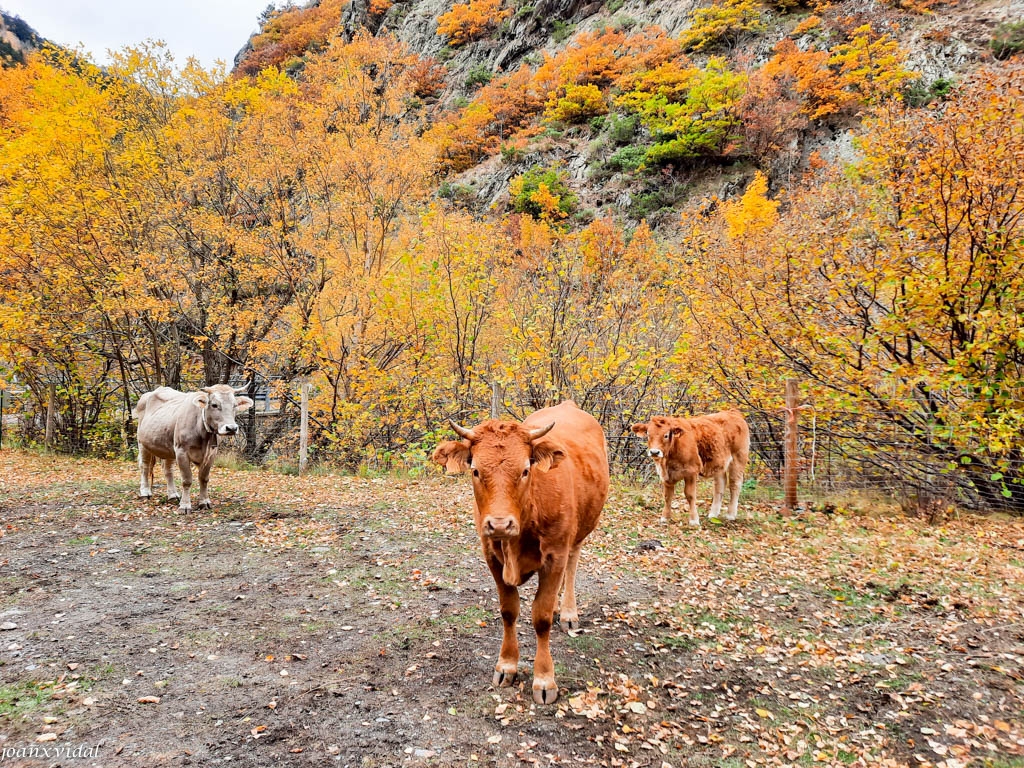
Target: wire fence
(838, 453)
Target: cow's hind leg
(146, 461)
(568, 615)
(690, 491)
(172, 491)
(719, 493)
(670, 492)
(545, 689)
(735, 484)
(185, 467)
(204, 479)
(506, 669)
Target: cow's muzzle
(501, 527)
(655, 453)
(229, 429)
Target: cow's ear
(546, 456)
(201, 399)
(640, 429)
(453, 455)
(242, 403)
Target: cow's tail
(140, 407)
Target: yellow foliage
(754, 212)
(576, 104)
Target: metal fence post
(789, 473)
(304, 428)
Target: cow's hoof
(145, 495)
(665, 520)
(184, 508)
(174, 497)
(205, 504)
(730, 518)
(503, 678)
(569, 622)
(695, 523)
(545, 692)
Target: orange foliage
(289, 33)
(508, 103)
(807, 73)
(427, 76)
(466, 22)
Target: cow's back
(720, 436)
(585, 467)
(157, 412)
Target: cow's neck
(207, 436)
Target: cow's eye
(526, 472)
(476, 472)
(215, 405)
(668, 436)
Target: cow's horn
(242, 389)
(207, 389)
(537, 434)
(462, 431)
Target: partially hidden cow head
(661, 432)
(219, 404)
(502, 457)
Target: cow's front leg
(185, 466)
(690, 491)
(568, 615)
(719, 493)
(670, 493)
(146, 461)
(204, 479)
(506, 669)
(172, 492)
(545, 689)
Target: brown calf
(716, 445)
(538, 490)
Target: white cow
(183, 427)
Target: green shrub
(528, 196)
(614, 5)
(562, 31)
(479, 75)
(511, 154)
(1007, 40)
(627, 159)
(621, 128)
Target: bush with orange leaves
(466, 22)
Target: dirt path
(343, 621)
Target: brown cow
(538, 491)
(715, 446)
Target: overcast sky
(206, 29)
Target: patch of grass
(82, 541)
(17, 700)
(585, 643)
(468, 617)
(680, 643)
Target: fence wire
(837, 453)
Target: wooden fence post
(495, 400)
(304, 428)
(789, 472)
(52, 399)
